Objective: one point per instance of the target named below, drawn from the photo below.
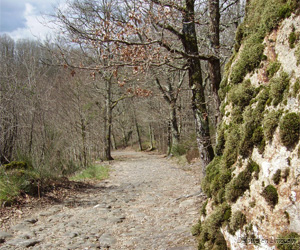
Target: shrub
(178, 150)
(15, 182)
(273, 68)
(288, 241)
(192, 154)
(270, 194)
(270, 123)
(237, 221)
(277, 177)
(289, 129)
(278, 87)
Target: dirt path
(147, 203)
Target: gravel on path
(148, 202)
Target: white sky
(27, 19)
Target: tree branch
(166, 97)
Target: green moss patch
(250, 58)
(278, 85)
(297, 54)
(288, 241)
(273, 68)
(241, 94)
(270, 194)
(296, 88)
(261, 18)
(16, 165)
(286, 174)
(277, 177)
(270, 123)
(210, 236)
(237, 221)
(241, 183)
(292, 39)
(217, 176)
(220, 142)
(203, 208)
(289, 129)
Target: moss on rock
(288, 241)
(273, 68)
(277, 177)
(241, 183)
(278, 85)
(289, 129)
(210, 236)
(271, 196)
(237, 221)
(270, 123)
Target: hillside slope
(253, 184)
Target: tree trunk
(151, 135)
(189, 40)
(214, 67)
(83, 137)
(114, 144)
(175, 130)
(138, 131)
(107, 122)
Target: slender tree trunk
(114, 144)
(108, 122)
(31, 134)
(169, 138)
(151, 135)
(138, 132)
(83, 137)
(174, 127)
(189, 40)
(214, 67)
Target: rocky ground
(148, 202)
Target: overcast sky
(25, 18)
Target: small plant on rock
(237, 221)
(271, 196)
(278, 87)
(270, 123)
(288, 241)
(273, 68)
(290, 129)
(277, 177)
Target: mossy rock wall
(258, 139)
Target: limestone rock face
(257, 172)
